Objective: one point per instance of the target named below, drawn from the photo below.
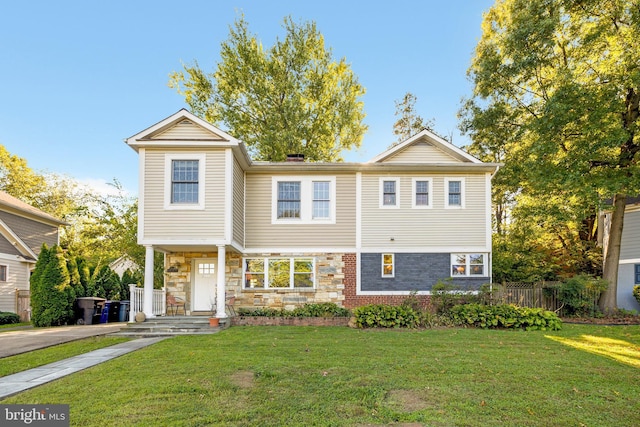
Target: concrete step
(172, 326)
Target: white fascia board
(141, 193)
(427, 250)
(299, 250)
(182, 242)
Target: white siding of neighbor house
(207, 223)
(630, 245)
(18, 278)
(422, 152)
(238, 203)
(185, 130)
(423, 228)
(261, 233)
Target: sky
(81, 76)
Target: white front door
(204, 284)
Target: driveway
(23, 340)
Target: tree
(409, 122)
(564, 75)
(291, 98)
(18, 179)
(106, 283)
(54, 296)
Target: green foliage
(106, 283)
(408, 122)
(580, 295)
(290, 98)
(386, 316)
(74, 277)
(7, 318)
(636, 293)
(52, 301)
(445, 295)
(505, 316)
(128, 278)
(325, 309)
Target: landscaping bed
(288, 321)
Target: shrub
(325, 309)
(52, 296)
(8, 318)
(386, 316)
(505, 316)
(636, 293)
(445, 295)
(580, 295)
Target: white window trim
(413, 193)
(168, 158)
(306, 200)
(6, 271)
(467, 268)
(393, 265)
(462, 193)
(291, 273)
(381, 189)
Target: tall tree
(564, 74)
(291, 98)
(17, 178)
(409, 122)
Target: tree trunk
(608, 300)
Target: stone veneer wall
(329, 281)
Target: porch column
(147, 300)
(221, 283)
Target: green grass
(33, 359)
(331, 376)
(13, 325)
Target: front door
(204, 285)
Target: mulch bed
(604, 321)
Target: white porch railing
(136, 296)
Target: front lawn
(333, 376)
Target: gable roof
(15, 206)
(425, 136)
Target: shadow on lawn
(619, 350)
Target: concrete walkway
(28, 339)
(25, 380)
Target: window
(3, 273)
(388, 265)
(303, 200)
(468, 265)
(637, 271)
(389, 192)
(184, 181)
(455, 193)
(278, 273)
(421, 193)
(289, 199)
(321, 199)
(206, 269)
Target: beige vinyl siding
(185, 224)
(18, 278)
(238, 203)
(630, 245)
(422, 152)
(32, 233)
(260, 233)
(424, 228)
(186, 130)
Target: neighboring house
(122, 264)
(23, 230)
(287, 233)
(629, 266)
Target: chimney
(295, 157)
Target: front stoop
(173, 325)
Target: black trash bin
(114, 311)
(88, 308)
(124, 311)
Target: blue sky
(79, 76)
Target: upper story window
(421, 193)
(3, 273)
(303, 200)
(288, 199)
(184, 181)
(468, 265)
(455, 192)
(389, 192)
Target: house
(281, 234)
(629, 264)
(122, 264)
(23, 230)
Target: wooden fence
(23, 305)
(535, 295)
